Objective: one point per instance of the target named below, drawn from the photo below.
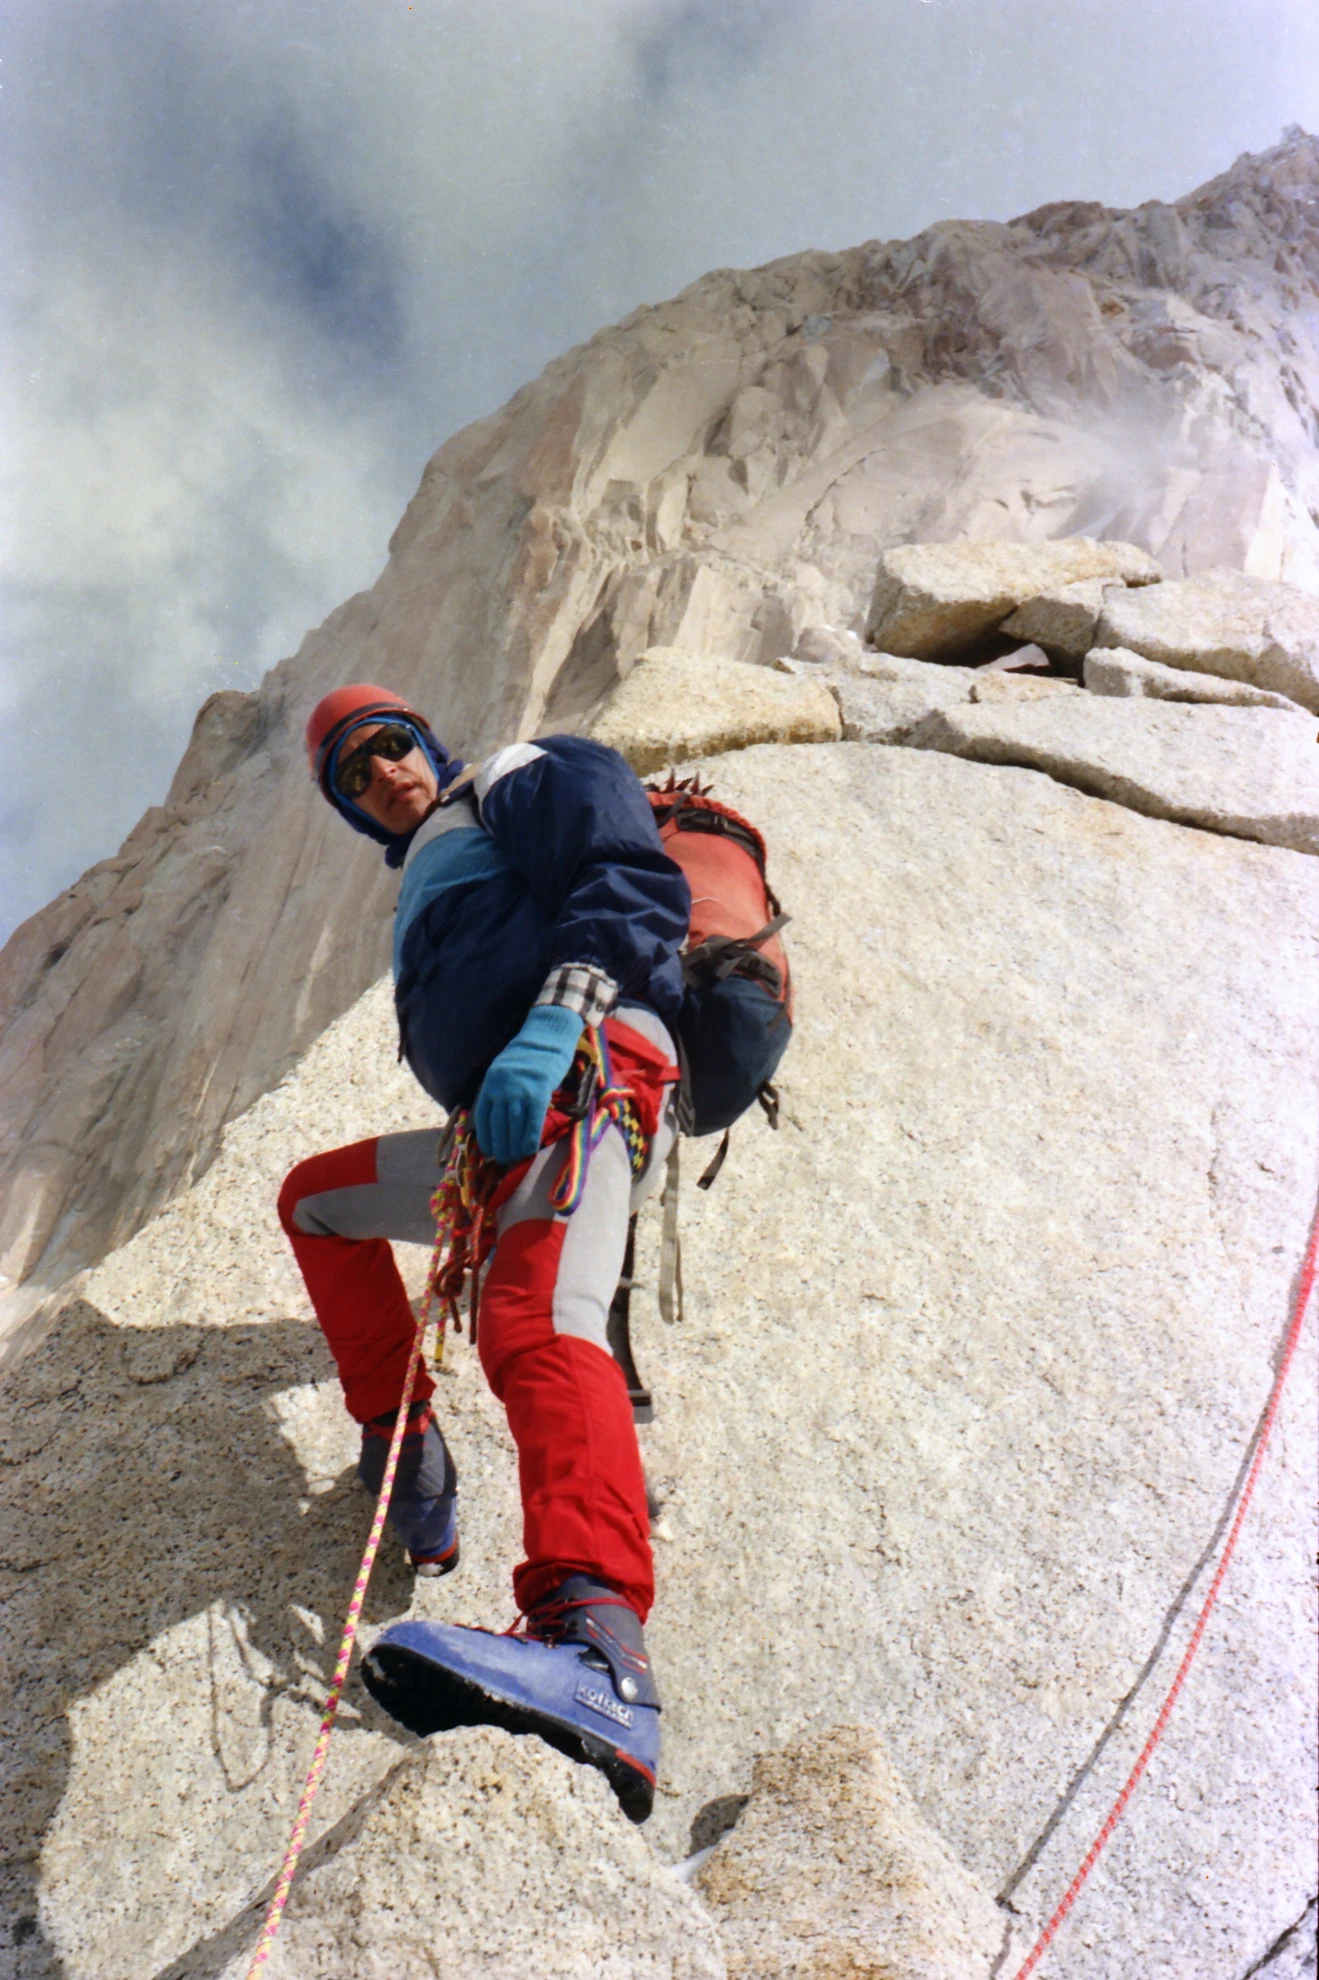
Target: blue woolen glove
(515, 1095)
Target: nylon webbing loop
(712, 1168)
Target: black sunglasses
(351, 777)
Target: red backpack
(737, 1013)
(735, 1023)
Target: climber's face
(400, 790)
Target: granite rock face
(933, 601)
(674, 705)
(832, 1871)
(1240, 628)
(889, 699)
(891, 711)
(888, 696)
(720, 473)
(1113, 670)
(1250, 772)
(925, 674)
(1296, 1954)
(975, 1343)
(974, 1346)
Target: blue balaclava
(334, 721)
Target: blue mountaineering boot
(423, 1504)
(579, 1677)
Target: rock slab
(834, 647)
(1223, 622)
(1113, 670)
(993, 687)
(891, 696)
(935, 600)
(673, 705)
(1252, 773)
(1063, 619)
(483, 1855)
(832, 1871)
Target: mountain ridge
(718, 473)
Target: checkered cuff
(581, 988)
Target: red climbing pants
(544, 1304)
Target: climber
(537, 908)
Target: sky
(259, 258)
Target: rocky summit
(982, 571)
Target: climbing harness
(1304, 1289)
(463, 1239)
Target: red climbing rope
(1115, 1814)
(302, 1819)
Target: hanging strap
(670, 1265)
(713, 1167)
(619, 1335)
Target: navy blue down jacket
(543, 882)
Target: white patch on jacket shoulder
(459, 816)
(499, 765)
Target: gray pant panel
(396, 1206)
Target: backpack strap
(720, 1156)
(768, 1096)
(669, 1291)
(460, 787)
(689, 817)
(719, 956)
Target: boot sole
(427, 1698)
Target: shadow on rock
(147, 1480)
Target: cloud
(265, 259)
